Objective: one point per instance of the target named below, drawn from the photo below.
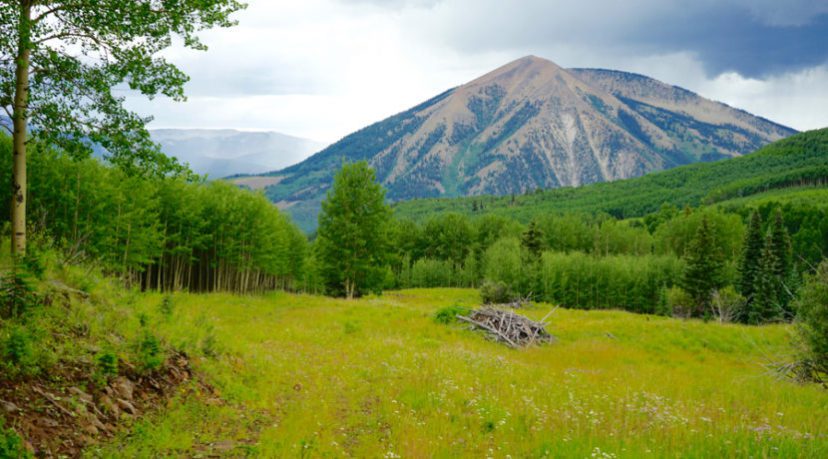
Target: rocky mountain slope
(530, 124)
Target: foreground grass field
(305, 376)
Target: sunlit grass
(307, 376)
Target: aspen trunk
(21, 116)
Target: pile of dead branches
(518, 303)
(507, 327)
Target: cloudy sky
(321, 69)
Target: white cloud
(323, 68)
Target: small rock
(81, 395)
(9, 407)
(48, 422)
(86, 440)
(224, 445)
(91, 430)
(109, 407)
(124, 387)
(127, 407)
(93, 420)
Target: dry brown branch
(513, 329)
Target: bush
(496, 292)
(11, 445)
(166, 307)
(812, 324)
(17, 352)
(679, 302)
(106, 367)
(449, 314)
(150, 354)
(727, 304)
(17, 294)
(503, 263)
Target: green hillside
(800, 161)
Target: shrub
(727, 304)
(150, 354)
(503, 263)
(449, 314)
(17, 294)
(106, 364)
(17, 352)
(495, 292)
(166, 307)
(679, 302)
(812, 324)
(11, 445)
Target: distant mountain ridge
(222, 153)
(227, 152)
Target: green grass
(306, 376)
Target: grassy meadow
(308, 376)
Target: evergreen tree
(781, 247)
(751, 257)
(532, 240)
(532, 243)
(351, 243)
(765, 306)
(703, 273)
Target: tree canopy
(352, 240)
(63, 63)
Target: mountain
(792, 168)
(532, 124)
(225, 152)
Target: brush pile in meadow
(507, 327)
(516, 304)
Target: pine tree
(532, 240)
(351, 245)
(781, 247)
(751, 257)
(765, 306)
(703, 273)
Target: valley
(530, 259)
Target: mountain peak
(527, 67)
(532, 124)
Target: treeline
(173, 233)
(689, 262)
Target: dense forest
(167, 233)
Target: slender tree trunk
(126, 251)
(21, 116)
